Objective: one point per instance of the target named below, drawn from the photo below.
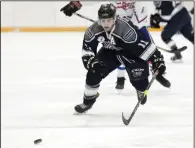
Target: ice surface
(42, 79)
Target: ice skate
(120, 83)
(177, 57)
(87, 104)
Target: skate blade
(83, 113)
(79, 114)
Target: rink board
(56, 29)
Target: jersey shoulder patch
(126, 31)
(92, 31)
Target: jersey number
(143, 44)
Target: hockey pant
(138, 72)
(181, 22)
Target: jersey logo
(101, 39)
(125, 5)
(137, 72)
(112, 41)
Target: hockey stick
(171, 51)
(127, 121)
(79, 15)
(163, 49)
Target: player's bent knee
(190, 38)
(165, 37)
(95, 76)
(140, 84)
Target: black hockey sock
(90, 100)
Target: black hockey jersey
(124, 35)
(167, 9)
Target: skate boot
(177, 55)
(87, 103)
(120, 83)
(163, 81)
(140, 96)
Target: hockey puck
(37, 141)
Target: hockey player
(178, 20)
(123, 43)
(136, 12)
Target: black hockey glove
(71, 8)
(96, 66)
(92, 63)
(158, 63)
(155, 20)
(85, 60)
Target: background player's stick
(166, 50)
(79, 15)
(170, 51)
(127, 121)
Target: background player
(177, 18)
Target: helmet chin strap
(109, 35)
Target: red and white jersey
(136, 11)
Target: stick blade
(170, 51)
(125, 121)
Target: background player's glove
(71, 8)
(158, 63)
(155, 20)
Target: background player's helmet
(107, 11)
